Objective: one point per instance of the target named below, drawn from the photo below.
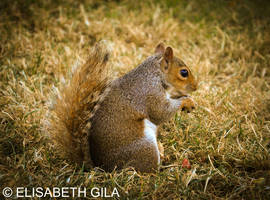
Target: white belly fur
(175, 103)
(150, 132)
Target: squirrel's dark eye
(184, 73)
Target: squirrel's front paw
(188, 104)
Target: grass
(227, 137)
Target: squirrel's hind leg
(144, 156)
(144, 153)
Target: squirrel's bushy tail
(68, 118)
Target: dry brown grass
(226, 139)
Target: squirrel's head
(179, 79)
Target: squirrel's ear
(160, 48)
(168, 54)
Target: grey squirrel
(111, 124)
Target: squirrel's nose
(195, 84)
(192, 87)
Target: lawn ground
(227, 137)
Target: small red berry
(186, 163)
